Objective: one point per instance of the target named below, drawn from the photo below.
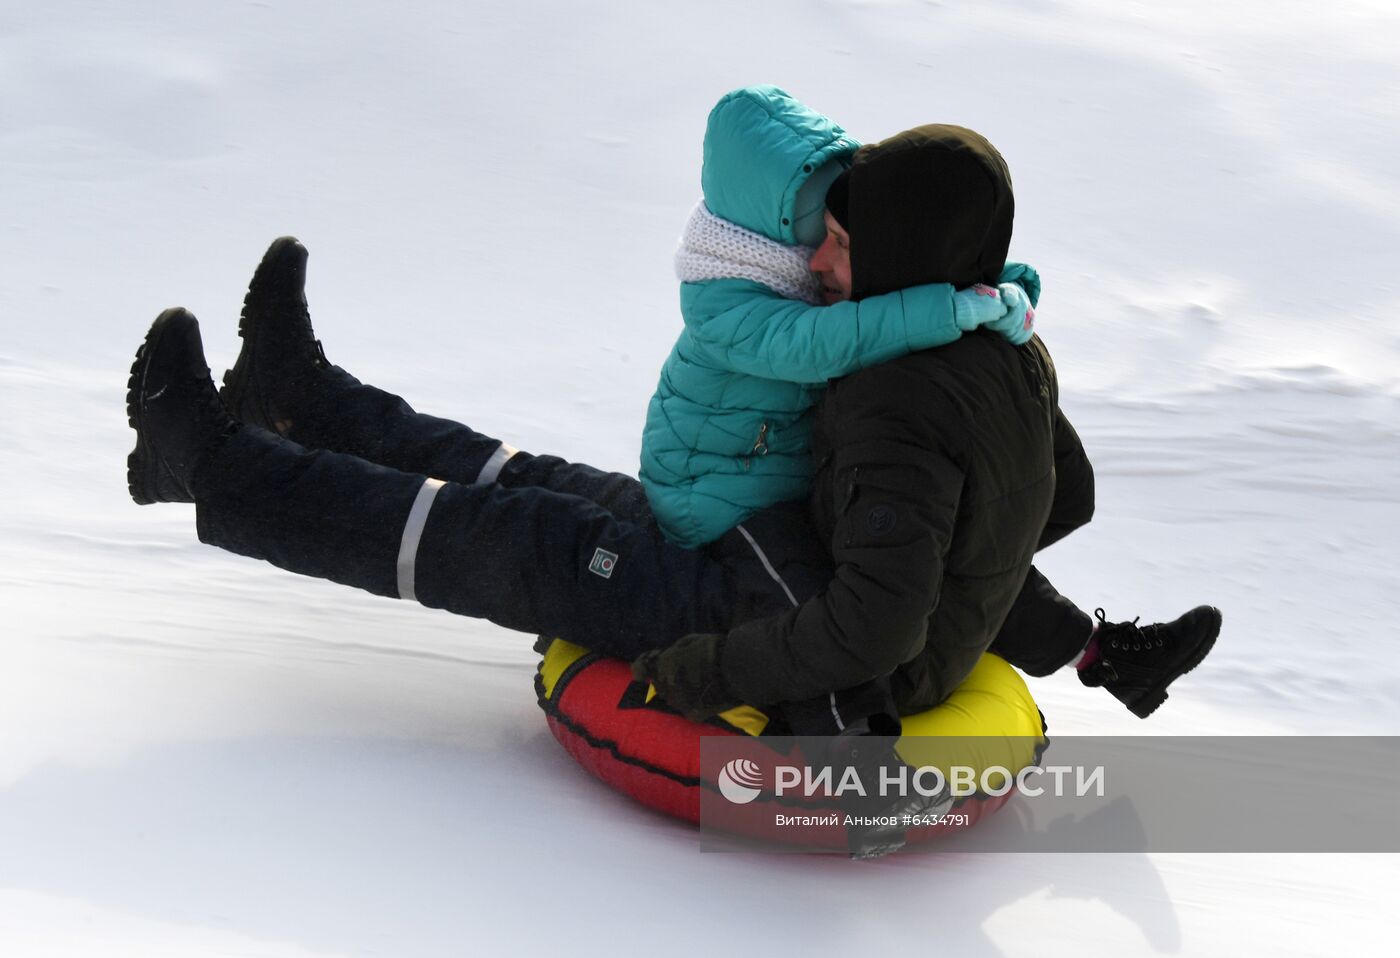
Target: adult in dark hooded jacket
(939, 475)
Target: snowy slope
(200, 755)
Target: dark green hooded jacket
(939, 474)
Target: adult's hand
(687, 676)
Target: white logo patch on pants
(603, 563)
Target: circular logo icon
(881, 520)
(740, 781)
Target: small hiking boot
(281, 359)
(1137, 664)
(172, 405)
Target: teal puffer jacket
(728, 431)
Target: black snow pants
(367, 492)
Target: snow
(200, 755)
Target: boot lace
(210, 407)
(1127, 636)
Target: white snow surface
(201, 755)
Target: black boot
(1137, 664)
(172, 405)
(877, 824)
(281, 361)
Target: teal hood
(761, 146)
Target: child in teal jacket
(728, 430)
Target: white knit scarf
(714, 248)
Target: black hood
(929, 205)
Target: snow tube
(616, 729)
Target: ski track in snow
(200, 755)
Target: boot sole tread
(143, 463)
(235, 391)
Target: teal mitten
(1004, 308)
